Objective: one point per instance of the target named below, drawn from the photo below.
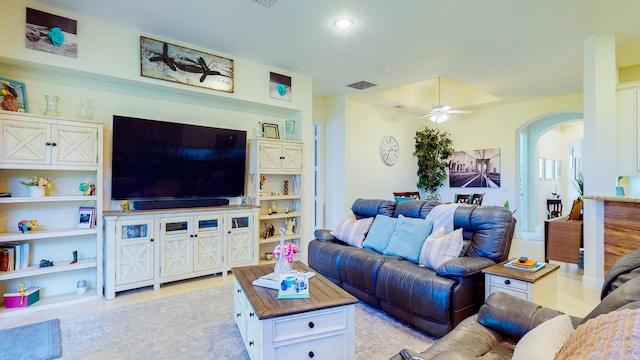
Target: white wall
(107, 70)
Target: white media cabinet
(69, 152)
(153, 247)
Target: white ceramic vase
(36, 191)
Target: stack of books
(14, 256)
(529, 265)
(272, 280)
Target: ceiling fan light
(439, 118)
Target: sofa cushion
(324, 257)
(380, 233)
(627, 293)
(545, 340)
(408, 237)
(490, 229)
(364, 208)
(608, 336)
(440, 247)
(415, 209)
(351, 230)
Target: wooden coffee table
(320, 327)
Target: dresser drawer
(508, 283)
(328, 347)
(253, 342)
(316, 322)
(239, 315)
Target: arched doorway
(528, 177)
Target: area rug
(39, 341)
(199, 325)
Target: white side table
(540, 287)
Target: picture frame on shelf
(14, 95)
(270, 131)
(86, 217)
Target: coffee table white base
(319, 334)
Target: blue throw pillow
(380, 233)
(408, 237)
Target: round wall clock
(389, 150)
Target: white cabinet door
(292, 157)
(270, 157)
(75, 145)
(240, 241)
(42, 143)
(176, 249)
(25, 142)
(208, 247)
(134, 251)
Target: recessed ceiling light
(343, 23)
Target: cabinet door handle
(151, 240)
(251, 314)
(195, 235)
(311, 325)
(48, 144)
(311, 354)
(251, 343)
(54, 144)
(238, 291)
(507, 282)
(238, 315)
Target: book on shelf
(8, 258)
(271, 280)
(515, 264)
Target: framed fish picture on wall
(165, 61)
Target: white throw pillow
(351, 230)
(545, 340)
(440, 247)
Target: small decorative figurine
(124, 206)
(285, 187)
(45, 263)
(22, 289)
(290, 224)
(25, 226)
(87, 189)
(75, 257)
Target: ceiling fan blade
(453, 111)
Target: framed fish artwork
(165, 61)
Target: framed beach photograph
(51, 33)
(279, 86)
(14, 95)
(548, 169)
(86, 217)
(165, 61)
(271, 131)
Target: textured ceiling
(502, 49)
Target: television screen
(163, 160)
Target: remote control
(404, 354)
(523, 259)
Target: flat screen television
(157, 160)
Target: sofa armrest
(513, 317)
(464, 266)
(323, 235)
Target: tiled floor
(573, 298)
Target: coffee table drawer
(316, 322)
(328, 347)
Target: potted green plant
(433, 149)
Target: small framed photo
(271, 131)
(13, 95)
(86, 217)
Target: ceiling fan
(440, 113)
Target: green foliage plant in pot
(433, 149)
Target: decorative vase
(282, 265)
(36, 191)
(52, 105)
(85, 110)
(290, 129)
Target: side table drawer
(514, 292)
(316, 322)
(329, 348)
(506, 282)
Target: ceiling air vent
(361, 85)
(399, 107)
